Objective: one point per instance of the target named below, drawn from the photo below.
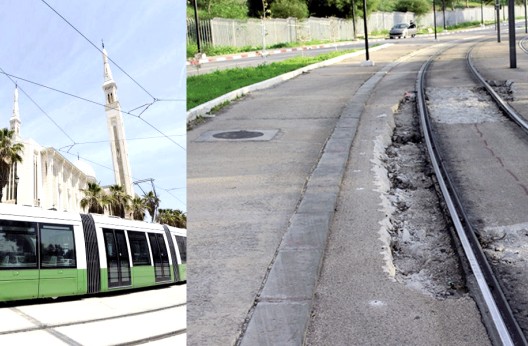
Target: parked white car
(403, 30)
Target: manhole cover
(238, 135)
(241, 134)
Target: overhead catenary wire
(95, 46)
(74, 143)
(37, 105)
(119, 67)
(84, 98)
(135, 112)
(138, 116)
(133, 178)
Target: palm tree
(10, 154)
(152, 202)
(138, 206)
(119, 200)
(172, 217)
(94, 198)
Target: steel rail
(43, 326)
(503, 105)
(522, 44)
(505, 325)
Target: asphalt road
(255, 61)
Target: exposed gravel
(422, 251)
(504, 88)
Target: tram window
(139, 248)
(57, 247)
(17, 244)
(182, 246)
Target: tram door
(117, 258)
(160, 256)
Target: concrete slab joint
(282, 311)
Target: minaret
(15, 118)
(116, 130)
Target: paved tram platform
(285, 216)
(157, 316)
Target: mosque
(45, 178)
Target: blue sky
(145, 38)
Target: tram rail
(136, 318)
(493, 299)
(43, 326)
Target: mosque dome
(86, 168)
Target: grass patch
(206, 87)
(209, 50)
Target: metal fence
(258, 32)
(204, 30)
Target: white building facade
(45, 178)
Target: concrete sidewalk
(265, 177)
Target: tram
(48, 253)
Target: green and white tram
(45, 253)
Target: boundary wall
(258, 32)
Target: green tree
(10, 154)
(341, 8)
(152, 203)
(119, 201)
(387, 5)
(236, 9)
(94, 199)
(138, 206)
(172, 217)
(289, 8)
(419, 7)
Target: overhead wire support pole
(511, 27)
(86, 38)
(482, 12)
(365, 28)
(497, 10)
(198, 43)
(525, 19)
(443, 14)
(434, 18)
